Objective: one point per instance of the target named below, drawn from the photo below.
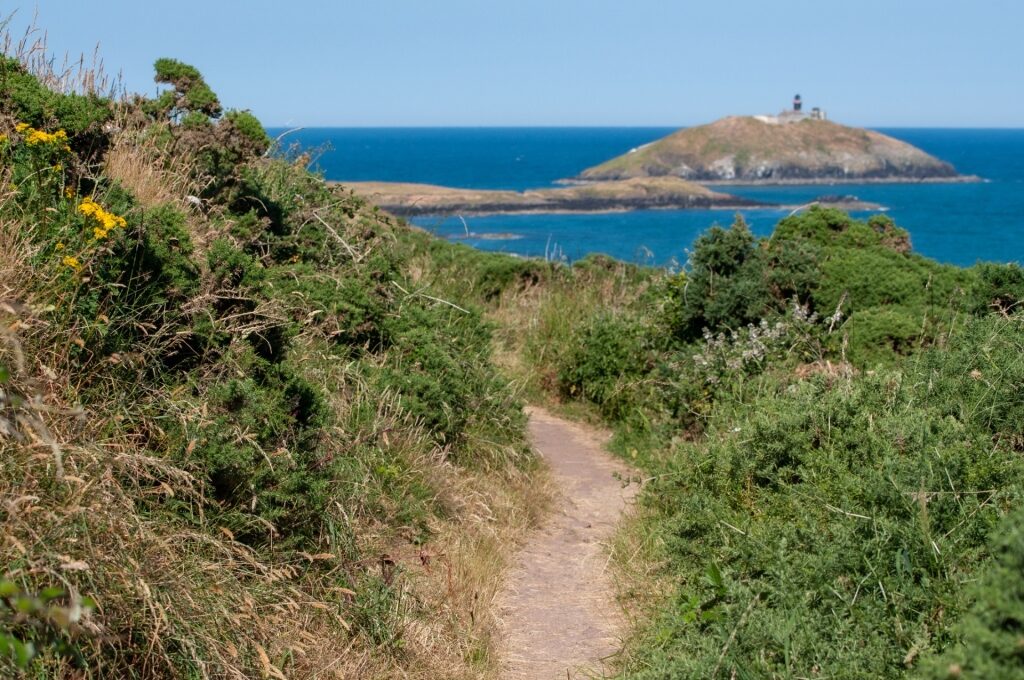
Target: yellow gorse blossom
(21, 127)
(103, 220)
(70, 261)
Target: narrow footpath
(558, 612)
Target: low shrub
(842, 518)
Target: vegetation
(830, 431)
(233, 423)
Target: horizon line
(454, 126)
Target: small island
(792, 147)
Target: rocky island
(640, 193)
(791, 148)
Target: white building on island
(794, 115)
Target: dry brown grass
(152, 177)
(498, 513)
(641, 581)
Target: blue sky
(568, 62)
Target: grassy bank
(829, 428)
(238, 435)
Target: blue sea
(955, 223)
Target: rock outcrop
(643, 193)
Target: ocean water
(955, 223)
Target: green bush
(999, 289)
(25, 99)
(606, 356)
(259, 451)
(842, 518)
(189, 93)
(725, 286)
(991, 634)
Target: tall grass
(234, 440)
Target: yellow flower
(69, 192)
(59, 246)
(3, 138)
(72, 262)
(40, 137)
(105, 221)
(21, 127)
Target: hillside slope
(746, 149)
(238, 436)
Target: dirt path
(559, 617)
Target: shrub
(999, 289)
(842, 517)
(220, 146)
(725, 286)
(607, 355)
(25, 99)
(990, 633)
(189, 92)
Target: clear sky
(567, 62)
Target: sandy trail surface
(558, 611)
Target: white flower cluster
(749, 347)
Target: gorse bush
(990, 632)
(26, 100)
(608, 355)
(724, 287)
(844, 519)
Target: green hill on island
(768, 149)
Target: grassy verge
(238, 437)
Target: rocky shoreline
(661, 193)
(827, 181)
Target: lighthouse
(794, 115)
